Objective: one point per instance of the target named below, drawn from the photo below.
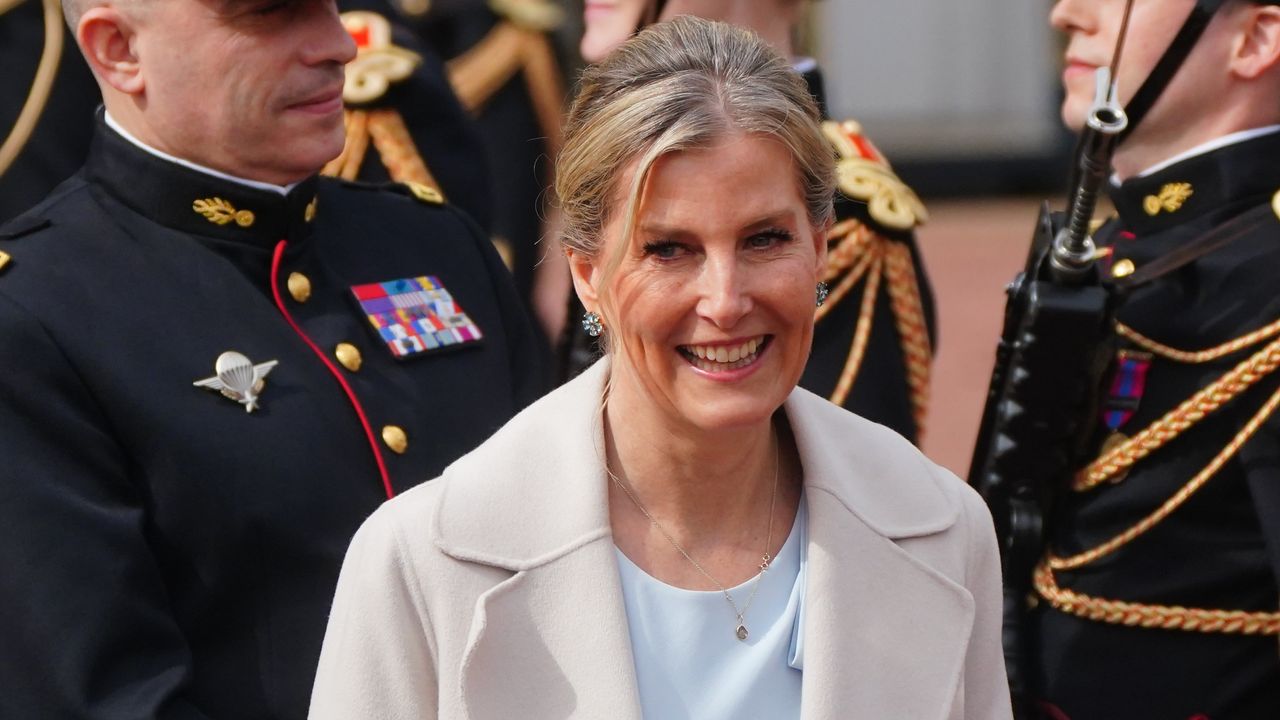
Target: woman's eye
(769, 238)
(663, 250)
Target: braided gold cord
(908, 314)
(395, 146)
(1173, 503)
(1166, 617)
(853, 239)
(1195, 357)
(847, 282)
(347, 164)
(1189, 412)
(861, 333)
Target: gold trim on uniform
(1170, 198)
(378, 63)
(540, 15)
(425, 193)
(220, 212)
(395, 438)
(889, 200)
(299, 286)
(310, 213)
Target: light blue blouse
(690, 664)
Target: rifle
(1041, 406)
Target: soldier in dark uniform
(214, 365)
(47, 99)
(872, 346)
(1158, 595)
(502, 64)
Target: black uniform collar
(1218, 180)
(813, 78)
(195, 202)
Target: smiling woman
(680, 531)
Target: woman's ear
(1256, 50)
(820, 235)
(106, 37)
(583, 271)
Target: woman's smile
(723, 360)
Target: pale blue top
(689, 663)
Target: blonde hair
(679, 85)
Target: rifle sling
(1189, 252)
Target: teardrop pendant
(741, 632)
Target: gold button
(299, 286)
(395, 439)
(244, 218)
(349, 356)
(310, 213)
(1123, 268)
(4, 259)
(1275, 203)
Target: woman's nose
(724, 295)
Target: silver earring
(592, 325)
(823, 291)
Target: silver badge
(238, 378)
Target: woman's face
(608, 24)
(714, 299)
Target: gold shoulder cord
(1111, 464)
(516, 44)
(41, 87)
(858, 252)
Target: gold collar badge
(1170, 198)
(220, 212)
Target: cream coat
(493, 592)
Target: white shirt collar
(279, 189)
(1210, 146)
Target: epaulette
(422, 193)
(379, 63)
(24, 225)
(863, 173)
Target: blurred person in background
(875, 335)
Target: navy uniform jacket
(163, 552)
(1221, 549)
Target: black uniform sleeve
(83, 612)
(1261, 459)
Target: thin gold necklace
(741, 630)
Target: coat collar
(885, 634)
(542, 478)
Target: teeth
(715, 359)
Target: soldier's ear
(107, 39)
(585, 276)
(1256, 50)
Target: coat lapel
(551, 641)
(885, 635)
